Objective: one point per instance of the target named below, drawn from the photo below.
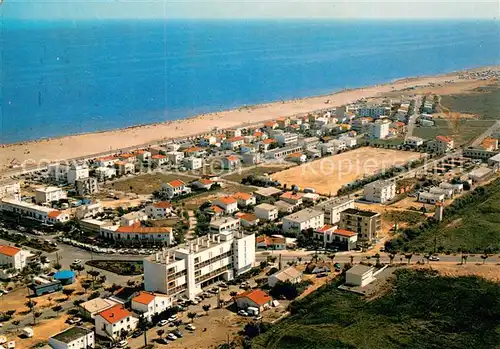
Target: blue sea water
(60, 78)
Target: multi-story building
(12, 257)
(106, 161)
(231, 162)
(175, 157)
(233, 132)
(10, 189)
(175, 188)
(186, 270)
(476, 153)
(149, 304)
(332, 208)
(373, 110)
(365, 223)
(192, 163)
(379, 129)
(441, 144)
(38, 213)
(227, 203)
(244, 199)
(104, 173)
(48, 194)
(280, 153)
(224, 224)
(233, 143)
(114, 322)
(159, 210)
(124, 167)
(266, 212)
(380, 191)
(414, 142)
(287, 138)
(73, 338)
(143, 155)
(344, 239)
(304, 219)
(194, 152)
(86, 186)
(67, 173)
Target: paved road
(485, 134)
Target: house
(214, 211)
(289, 274)
(447, 192)
(310, 197)
(48, 194)
(203, 183)
(142, 155)
(292, 198)
(430, 198)
(348, 141)
(13, 257)
(365, 223)
(341, 238)
(194, 152)
(128, 157)
(270, 242)
(115, 321)
(175, 188)
(266, 212)
(149, 304)
(283, 122)
(267, 144)
(302, 220)
(106, 161)
(380, 191)
(86, 186)
(124, 296)
(231, 162)
(73, 338)
(253, 298)
(139, 234)
(494, 161)
(244, 199)
(159, 210)
(248, 219)
(208, 140)
(414, 142)
(89, 225)
(259, 136)
(317, 267)
(233, 132)
(284, 206)
(10, 189)
(457, 187)
(175, 157)
(249, 149)
(441, 144)
(481, 174)
(298, 158)
(359, 276)
(251, 158)
(158, 160)
(224, 224)
(132, 218)
(124, 168)
(227, 203)
(271, 125)
(192, 163)
(266, 193)
(104, 173)
(233, 143)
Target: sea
(68, 77)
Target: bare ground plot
(329, 174)
(487, 271)
(257, 171)
(193, 202)
(147, 183)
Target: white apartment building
(233, 143)
(10, 189)
(185, 271)
(159, 210)
(67, 173)
(447, 192)
(112, 322)
(150, 304)
(373, 110)
(380, 191)
(304, 219)
(39, 213)
(430, 198)
(332, 147)
(441, 144)
(379, 129)
(287, 138)
(280, 153)
(104, 173)
(224, 224)
(192, 163)
(48, 194)
(457, 188)
(106, 161)
(349, 141)
(89, 210)
(266, 212)
(73, 338)
(414, 142)
(86, 186)
(175, 157)
(12, 257)
(135, 234)
(332, 208)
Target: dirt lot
(43, 330)
(329, 174)
(257, 171)
(145, 184)
(487, 271)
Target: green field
(467, 130)
(472, 226)
(484, 101)
(421, 311)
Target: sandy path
(37, 152)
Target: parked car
(190, 327)
(122, 344)
(74, 320)
(162, 322)
(172, 318)
(136, 334)
(162, 341)
(434, 258)
(177, 333)
(171, 336)
(258, 318)
(242, 313)
(77, 261)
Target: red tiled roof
(137, 229)
(257, 296)
(193, 150)
(107, 158)
(258, 134)
(227, 200)
(162, 204)
(121, 163)
(176, 183)
(54, 214)
(144, 298)
(205, 181)
(270, 123)
(344, 232)
(233, 158)
(269, 141)
(248, 217)
(127, 155)
(242, 196)
(115, 314)
(158, 156)
(216, 209)
(324, 228)
(235, 139)
(444, 139)
(139, 152)
(294, 155)
(9, 250)
(291, 195)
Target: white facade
(113, 321)
(192, 163)
(303, 219)
(35, 212)
(430, 198)
(49, 194)
(10, 189)
(447, 192)
(228, 204)
(379, 129)
(224, 224)
(86, 186)
(149, 304)
(414, 141)
(200, 262)
(380, 191)
(287, 138)
(359, 275)
(104, 173)
(333, 207)
(73, 338)
(67, 173)
(266, 212)
(132, 218)
(175, 157)
(159, 210)
(12, 257)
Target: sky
(342, 9)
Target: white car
(77, 261)
(190, 327)
(122, 344)
(172, 318)
(172, 337)
(162, 322)
(434, 258)
(242, 313)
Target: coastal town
(205, 240)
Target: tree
(191, 315)
(86, 285)
(391, 258)
(484, 257)
(94, 274)
(206, 307)
(160, 332)
(408, 257)
(464, 258)
(57, 266)
(68, 292)
(10, 312)
(332, 257)
(352, 259)
(233, 293)
(36, 315)
(78, 268)
(57, 309)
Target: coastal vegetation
(463, 132)
(484, 102)
(120, 267)
(420, 311)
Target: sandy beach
(31, 154)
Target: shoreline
(107, 141)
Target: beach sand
(35, 153)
